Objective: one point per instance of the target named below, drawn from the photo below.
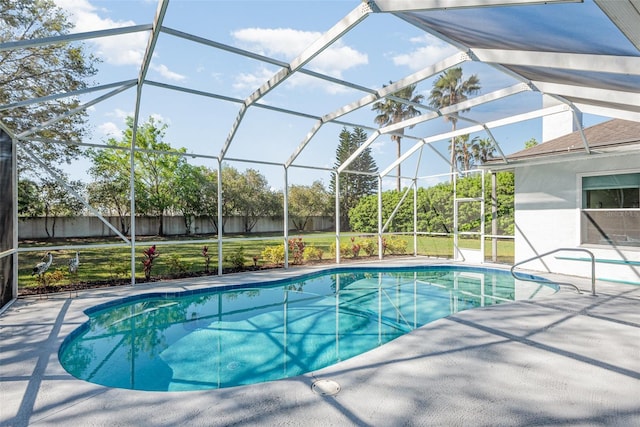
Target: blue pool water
(209, 339)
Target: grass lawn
(103, 264)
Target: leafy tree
(190, 184)
(209, 197)
(364, 216)
(59, 202)
(30, 203)
(109, 190)
(530, 143)
(250, 197)
(155, 171)
(436, 215)
(435, 207)
(449, 89)
(353, 186)
(306, 201)
(154, 180)
(38, 71)
(209, 202)
(391, 111)
(505, 188)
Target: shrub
(345, 250)
(207, 258)
(395, 245)
(311, 253)
(273, 254)
(355, 248)
(147, 263)
(55, 277)
(296, 248)
(236, 258)
(177, 265)
(369, 246)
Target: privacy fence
(86, 226)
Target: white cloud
(120, 114)
(251, 81)
(125, 49)
(428, 51)
(159, 118)
(166, 73)
(286, 43)
(278, 42)
(337, 59)
(380, 146)
(109, 129)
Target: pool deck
(565, 359)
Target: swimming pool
(216, 338)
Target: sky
(382, 48)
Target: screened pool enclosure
(279, 90)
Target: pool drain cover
(325, 387)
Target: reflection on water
(244, 336)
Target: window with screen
(611, 210)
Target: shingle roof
(601, 137)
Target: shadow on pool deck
(567, 359)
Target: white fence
(85, 226)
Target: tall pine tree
(363, 182)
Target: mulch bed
(52, 289)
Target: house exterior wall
(547, 217)
(560, 124)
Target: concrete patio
(567, 359)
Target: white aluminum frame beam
(144, 68)
(609, 111)
(386, 91)
(81, 199)
(625, 14)
(477, 128)
(501, 93)
(23, 44)
(75, 110)
(262, 58)
(578, 123)
(567, 61)
(228, 99)
(418, 5)
(67, 94)
(316, 48)
(483, 99)
(423, 74)
(606, 96)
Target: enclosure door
(468, 226)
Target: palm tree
(391, 112)
(482, 149)
(464, 151)
(448, 90)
